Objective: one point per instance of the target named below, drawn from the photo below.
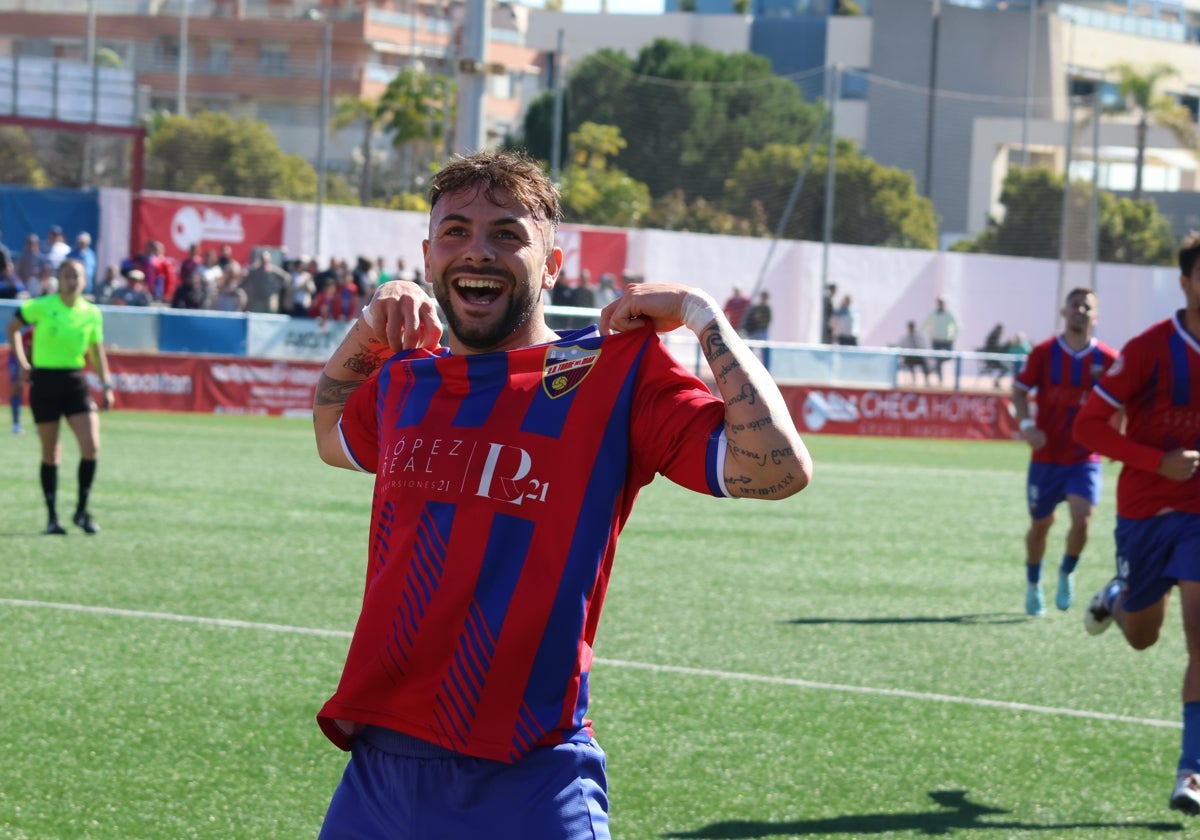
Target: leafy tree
(687, 112)
(18, 161)
(674, 212)
(1138, 97)
(216, 154)
(1130, 231)
(592, 193)
(412, 109)
(873, 204)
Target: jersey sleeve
(678, 427)
(1093, 425)
(359, 425)
(1031, 371)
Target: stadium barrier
(248, 363)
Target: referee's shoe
(84, 520)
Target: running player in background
(505, 468)
(1156, 381)
(1060, 372)
(69, 332)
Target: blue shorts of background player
(1154, 553)
(1049, 485)
(553, 793)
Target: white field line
(623, 663)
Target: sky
(652, 7)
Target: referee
(68, 331)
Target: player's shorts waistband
(398, 743)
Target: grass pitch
(853, 662)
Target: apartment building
(269, 59)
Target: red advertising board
(178, 222)
(170, 382)
(222, 385)
(900, 413)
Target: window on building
(273, 58)
(854, 84)
(220, 57)
(1190, 101)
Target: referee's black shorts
(56, 393)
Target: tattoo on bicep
(364, 362)
(334, 391)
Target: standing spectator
(231, 297)
(83, 253)
(365, 278)
(46, 283)
(225, 257)
(756, 325)
(11, 286)
(264, 284)
(942, 329)
(29, 261)
(55, 248)
(1060, 372)
(191, 294)
(735, 307)
(913, 340)
(607, 291)
(1156, 383)
(844, 322)
(828, 307)
(463, 699)
(161, 274)
(299, 294)
(191, 262)
(58, 387)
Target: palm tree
(348, 110)
(1138, 97)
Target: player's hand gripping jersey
(517, 471)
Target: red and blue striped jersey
(502, 481)
(1061, 380)
(1156, 380)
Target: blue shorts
(1154, 553)
(1049, 485)
(397, 787)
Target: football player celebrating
(506, 465)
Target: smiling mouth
(478, 290)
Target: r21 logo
(505, 476)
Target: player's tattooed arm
(765, 457)
(358, 357)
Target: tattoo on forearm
(713, 343)
(747, 392)
(733, 482)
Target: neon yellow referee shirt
(62, 333)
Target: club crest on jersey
(566, 367)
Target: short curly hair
(518, 174)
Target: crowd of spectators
(271, 283)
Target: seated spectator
(55, 248)
(109, 286)
(995, 343)
(136, 292)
